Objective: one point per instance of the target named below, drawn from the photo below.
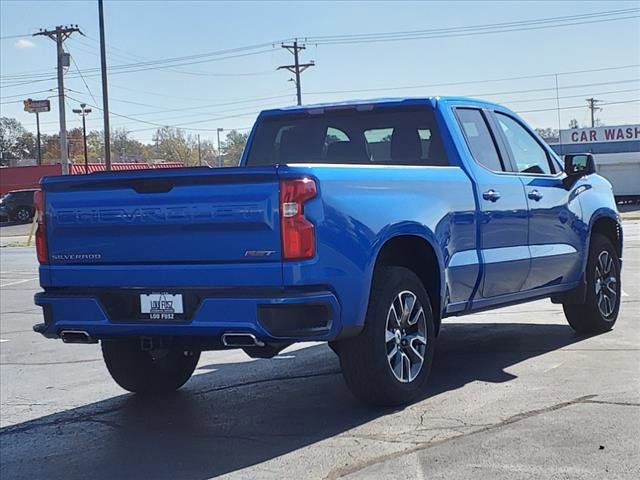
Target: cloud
(24, 43)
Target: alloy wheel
(406, 336)
(606, 284)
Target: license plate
(161, 306)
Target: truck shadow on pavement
(233, 416)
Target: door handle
(535, 195)
(491, 195)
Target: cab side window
(528, 155)
(479, 138)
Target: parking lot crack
(606, 402)
(348, 470)
(268, 380)
(70, 362)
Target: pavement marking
(624, 294)
(18, 282)
(2, 340)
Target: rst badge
(161, 306)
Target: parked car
(17, 205)
(363, 224)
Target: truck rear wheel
(600, 309)
(159, 370)
(389, 362)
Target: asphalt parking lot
(514, 393)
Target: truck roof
(386, 101)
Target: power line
(161, 125)
(529, 100)
(23, 95)
(117, 69)
(518, 26)
(473, 82)
(7, 37)
(473, 27)
(83, 80)
(129, 57)
(578, 106)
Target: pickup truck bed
(363, 225)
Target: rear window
(382, 135)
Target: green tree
(124, 148)
(548, 134)
(232, 148)
(207, 151)
(95, 145)
(15, 141)
(173, 146)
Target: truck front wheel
(599, 311)
(159, 370)
(389, 362)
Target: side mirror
(579, 164)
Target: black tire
(335, 347)
(366, 359)
(141, 371)
(597, 315)
(23, 214)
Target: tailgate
(177, 216)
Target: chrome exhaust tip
(76, 336)
(240, 339)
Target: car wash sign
(620, 133)
(599, 140)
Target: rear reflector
(41, 233)
(298, 233)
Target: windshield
(380, 135)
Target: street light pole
(84, 111)
(38, 128)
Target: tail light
(41, 232)
(298, 233)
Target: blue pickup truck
(363, 224)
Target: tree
(75, 143)
(15, 141)
(51, 148)
(207, 150)
(95, 145)
(172, 145)
(548, 134)
(573, 123)
(232, 148)
(125, 148)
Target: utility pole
(83, 111)
(592, 106)
(218, 130)
(297, 68)
(105, 93)
(199, 152)
(59, 35)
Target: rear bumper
(287, 316)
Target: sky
(228, 90)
